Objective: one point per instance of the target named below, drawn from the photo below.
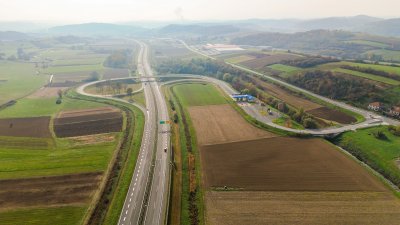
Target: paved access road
(147, 199)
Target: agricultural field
(221, 123)
(40, 173)
(163, 49)
(369, 43)
(87, 122)
(267, 60)
(308, 208)
(368, 76)
(277, 179)
(284, 68)
(18, 80)
(35, 107)
(309, 165)
(111, 73)
(26, 127)
(388, 55)
(197, 94)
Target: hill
(96, 29)
(12, 36)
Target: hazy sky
(130, 10)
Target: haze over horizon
(75, 11)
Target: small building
(243, 98)
(281, 106)
(395, 111)
(376, 106)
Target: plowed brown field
(25, 127)
(334, 115)
(220, 124)
(46, 191)
(87, 122)
(284, 164)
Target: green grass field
(283, 122)
(44, 107)
(74, 68)
(284, 68)
(18, 80)
(379, 154)
(62, 215)
(198, 94)
(368, 76)
(22, 163)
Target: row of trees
(119, 59)
(339, 86)
(310, 61)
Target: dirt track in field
(25, 127)
(47, 191)
(302, 208)
(284, 164)
(88, 122)
(220, 124)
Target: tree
(227, 77)
(59, 93)
(129, 91)
(94, 76)
(118, 85)
(310, 123)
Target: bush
(380, 135)
(59, 101)
(394, 130)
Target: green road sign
(162, 122)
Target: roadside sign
(162, 122)
(165, 121)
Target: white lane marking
(129, 205)
(131, 194)
(134, 185)
(126, 212)
(130, 199)
(124, 218)
(136, 179)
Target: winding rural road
(147, 199)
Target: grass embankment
(382, 155)
(111, 201)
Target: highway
(147, 199)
